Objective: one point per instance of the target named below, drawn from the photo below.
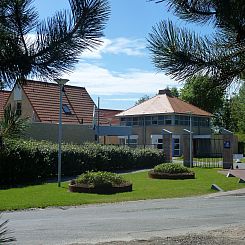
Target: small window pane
(154, 120)
(66, 109)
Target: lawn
(143, 188)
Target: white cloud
(100, 81)
(120, 45)
(117, 46)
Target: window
(195, 121)
(154, 120)
(66, 109)
(18, 108)
(123, 121)
(131, 140)
(177, 120)
(135, 121)
(159, 143)
(184, 120)
(160, 120)
(147, 120)
(204, 122)
(129, 121)
(168, 120)
(176, 146)
(141, 121)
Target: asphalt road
(125, 221)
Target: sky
(120, 71)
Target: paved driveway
(125, 221)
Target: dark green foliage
(100, 178)
(142, 99)
(171, 168)
(25, 161)
(12, 125)
(199, 91)
(57, 43)
(174, 92)
(238, 110)
(182, 53)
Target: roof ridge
(192, 105)
(169, 100)
(53, 84)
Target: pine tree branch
(59, 41)
(183, 54)
(200, 11)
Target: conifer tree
(182, 53)
(47, 48)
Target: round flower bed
(171, 171)
(100, 183)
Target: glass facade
(182, 120)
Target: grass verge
(40, 196)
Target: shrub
(23, 161)
(171, 168)
(171, 171)
(100, 178)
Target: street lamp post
(190, 139)
(61, 83)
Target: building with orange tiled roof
(4, 95)
(39, 101)
(165, 112)
(107, 117)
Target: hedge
(24, 161)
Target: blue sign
(227, 144)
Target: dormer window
(66, 109)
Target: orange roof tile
(163, 104)
(4, 95)
(44, 98)
(107, 117)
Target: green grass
(143, 188)
(243, 160)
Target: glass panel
(176, 120)
(129, 121)
(176, 152)
(66, 109)
(154, 120)
(131, 141)
(160, 120)
(147, 120)
(176, 141)
(168, 120)
(123, 121)
(135, 121)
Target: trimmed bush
(23, 161)
(100, 182)
(100, 178)
(171, 171)
(171, 168)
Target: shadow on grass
(35, 182)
